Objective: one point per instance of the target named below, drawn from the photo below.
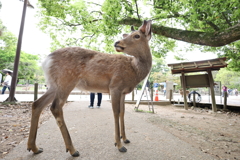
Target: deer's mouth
(119, 49)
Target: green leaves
(28, 62)
(229, 78)
(97, 24)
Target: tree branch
(213, 25)
(228, 22)
(97, 12)
(213, 39)
(177, 15)
(137, 9)
(94, 3)
(77, 24)
(74, 42)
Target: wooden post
(133, 95)
(17, 56)
(151, 94)
(210, 78)
(225, 101)
(194, 99)
(170, 96)
(35, 91)
(184, 91)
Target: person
(46, 86)
(164, 88)
(7, 82)
(230, 91)
(224, 89)
(1, 77)
(92, 97)
(236, 92)
(147, 90)
(155, 86)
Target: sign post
(217, 89)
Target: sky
(36, 42)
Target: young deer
(93, 71)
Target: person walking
(164, 88)
(224, 89)
(7, 82)
(92, 97)
(236, 92)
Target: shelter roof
(198, 66)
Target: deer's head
(137, 41)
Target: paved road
(92, 132)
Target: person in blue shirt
(155, 86)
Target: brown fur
(93, 71)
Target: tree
(159, 70)
(200, 22)
(27, 66)
(1, 26)
(7, 50)
(229, 78)
(28, 63)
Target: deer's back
(89, 70)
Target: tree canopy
(229, 78)
(28, 62)
(210, 25)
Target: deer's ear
(146, 29)
(125, 35)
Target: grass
(139, 110)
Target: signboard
(217, 88)
(196, 81)
(168, 88)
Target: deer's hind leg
(37, 108)
(57, 111)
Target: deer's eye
(137, 36)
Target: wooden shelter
(195, 81)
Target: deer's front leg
(116, 112)
(56, 109)
(122, 111)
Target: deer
(76, 67)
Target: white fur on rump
(46, 65)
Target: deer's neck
(142, 65)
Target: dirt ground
(213, 133)
(217, 133)
(15, 124)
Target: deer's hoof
(76, 154)
(40, 150)
(123, 149)
(126, 141)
